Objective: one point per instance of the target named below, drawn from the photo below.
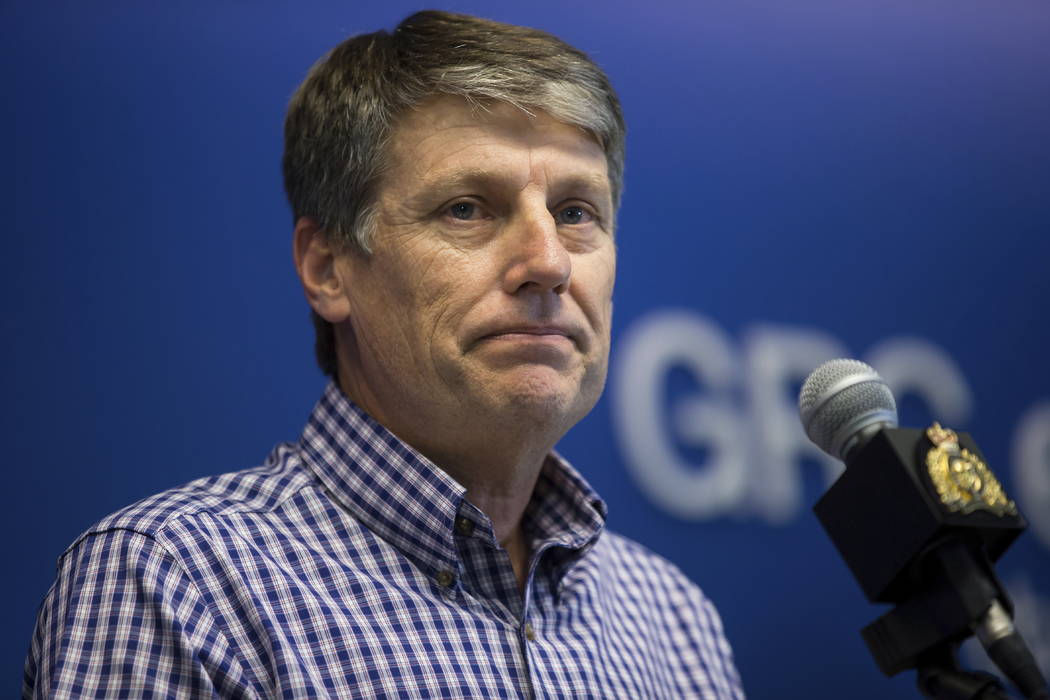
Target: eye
(464, 211)
(572, 215)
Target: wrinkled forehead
(447, 134)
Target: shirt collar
(564, 510)
(408, 501)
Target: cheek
(388, 303)
(595, 278)
(440, 291)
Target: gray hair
(341, 118)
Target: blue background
(867, 169)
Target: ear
(315, 261)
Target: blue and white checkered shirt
(348, 565)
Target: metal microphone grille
(840, 399)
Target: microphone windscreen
(839, 399)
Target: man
(454, 187)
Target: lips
(530, 331)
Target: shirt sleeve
(124, 619)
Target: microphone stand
(934, 565)
(952, 587)
(940, 678)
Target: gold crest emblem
(964, 482)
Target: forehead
(448, 133)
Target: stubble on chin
(544, 401)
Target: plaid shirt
(348, 565)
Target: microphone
(842, 404)
(919, 518)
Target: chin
(540, 401)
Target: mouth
(540, 334)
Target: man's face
(488, 294)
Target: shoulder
(258, 489)
(649, 581)
(638, 561)
(676, 611)
(123, 606)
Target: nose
(537, 258)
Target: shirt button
(464, 526)
(445, 578)
(530, 633)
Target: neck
(497, 462)
(501, 489)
